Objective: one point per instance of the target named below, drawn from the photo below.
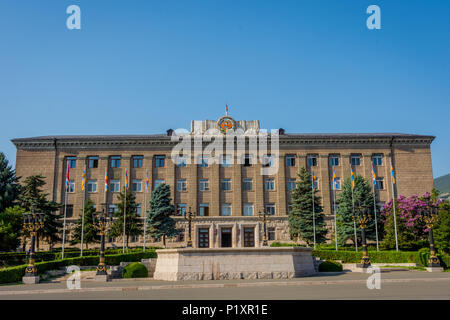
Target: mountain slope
(442, 183)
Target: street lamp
(32, 222)
(430, 215)
(263, 217)
(189, 217)
(102, 222)
(363, 218)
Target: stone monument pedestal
(30, 280)
(102, 278)
(435, 269)
(233, 263)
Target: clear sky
(139, 67)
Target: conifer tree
(9, 186)
(301, 215)
(159, 221)
(90, 233)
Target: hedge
(15, 274)
(330, 266)
(375, 256)
(135, 270)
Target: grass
(406, 267)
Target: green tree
(133, 224)
(32, 193)
(301, 215)
(441, 232)
(11, 226)
(362, 196)
(90, 234)
(159, 221)
(9, 187)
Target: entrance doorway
(249, 237)
(203, 237)
(225, 236)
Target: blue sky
(140, 67)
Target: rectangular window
(247, 184)
(92, 186)
(181, 162)
(136, 185)
(113, 208)
(71, 188)
(181, 209)
(93, 162)
(247, 160)
(115, 161)
(270, 234)
(159, 161)
(226, 209)
(204, 160)
(248, 209)
(114, 186)
(69, 211)
(72, 162)
(291, 184)
(204, 209)
(138, 210)
(334, 160)
(270, 208)
(157, 183)
(290, 160)
(380, 183)
(226, 161)
(377, 159)
(138, 161)
(312, 160)
(268, 160)
(226, 184)
(249, 237)
(355, 160)
(204, 184)
(269, 184)
(181, 185)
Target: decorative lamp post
(32, 222)
(430, 215)
(189, 217)
(263, 217)
(102, 222)
(363, 218)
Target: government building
(228, 194)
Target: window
(290, 161)
(204, 184)
(115, 162)
(181, 209)
(248, 209)
(93, 162)
(269, 184)
(291, 184)
(226, 184)
(159, 161)
(138, 210)
(268, 160)
(181, 161)
(226, 161)
(134, 238)
(92, 186)
(181, 185)
(270, 234)
(334, 160)
(113, 208)
(312, 160)
(204, 209)
(71, 188)
(114, 186)
(72, 162)
(69, 211)
(355, 160)
(226, 209)
(247, 160)
(270, 208)
(204, 161)
(377, 159)
(247, 184)
(136, 185)
(338, 184)
(137, 161)
(380, 183)
(158, 182)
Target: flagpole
(65, 211)
(82, 218)
(395, 218)
(354, 220)
(313, 213)
(335, 220)
(375, 211)
(124, 221)
(145, 207)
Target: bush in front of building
(375, 256)
(330, 266)
(135, 270)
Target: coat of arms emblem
(225, 123)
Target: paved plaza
(394, 285)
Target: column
(237, 189)
(281, 187)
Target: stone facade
(48, 156)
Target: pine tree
(160, 223)
(32, 194)
(11, 227)
(90, 233)
(300, 216)
(133, 224)
(9, 187)
(362, 196)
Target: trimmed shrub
(284, 244)
(330, 266)
(375, 257)
(135, 270)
